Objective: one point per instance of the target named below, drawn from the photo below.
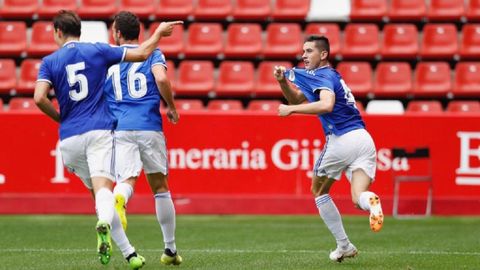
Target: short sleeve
(320, 83)
(44, 74)
(158, 58)
(112, 54)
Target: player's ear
(324, 55)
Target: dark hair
(68, 22)
(128, 24)
(321, 42)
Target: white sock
(120, 238)
(364, 200)
(104, 203)
(166, 218)
(330, 215)
(123, 189)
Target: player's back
(133, 95)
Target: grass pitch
(245, 242)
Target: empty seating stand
(368, 10)
(13, 38)
(18, 9)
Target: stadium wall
(250, 164)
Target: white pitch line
(412, 252)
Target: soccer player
(133, 93)
(349, 147)
(77, 73)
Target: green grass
(245, 242)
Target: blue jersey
(77, 74)
(344, 117)
(133, 95)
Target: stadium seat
(284, 40)
(171, 46)
(18, 9)
(330, 30)
(243, 40)
(28, 75)
(94, 31)
(421, 106)
(189, 104)
(141, 36)
(144, 9)
(258, 10)
(472, 12)
(195, 78)
(358, 76)
(42, 42)
(270, 106)
(235, 78)
(204, 40)
(384, 107)
(330, 11)
(225, 105)
(407, 10)
(361, 41)
(8, 77)
(400, 41)
(265, 84)
(439, 41)
(463, 106)
(446, 10)
(13, 38)
(467, 81)
(368, 10)
(213, 10)
(470, 43)
(23, 104)
(393, 79)
(49, 8)
(97, 9)
(290, 10)
(432, 79)
(174, 9)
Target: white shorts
(137, 149)
(89, 155)
(348, 152)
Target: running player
(349, 147)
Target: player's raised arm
(142, 52)
(293, 96)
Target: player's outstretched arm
(142, 52)
(42, 101)
(324, 105)
(293, 96)
(163, 83)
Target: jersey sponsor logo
(291, 76)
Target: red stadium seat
(28, 75)
(42, 42)
(470, 44)
(49, 8)
(174, 9)
(8, 77)
(270, 106)
(265, 84)
(467, 81)
(97, 9)
(446, 10)
(368, 10)
(432, 79)
(213, 9)
(171, 46)
(23, 104)
(393, 79)
(439, 41)
(225, 105)
(204, 40)
(171, 74)
(460, 106)
(290, 10)
(361, 41)
(145, 9)
(400, 41)
(235, 78)
(358, 76)
(330, 30)
(243, 40)
(407, 10)
(473, 11)
(18, 9)
(189, 104)
(252, 10)
(13, 38)
(141, 36)
(195, 78)
(284, 40)
(420, 106)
